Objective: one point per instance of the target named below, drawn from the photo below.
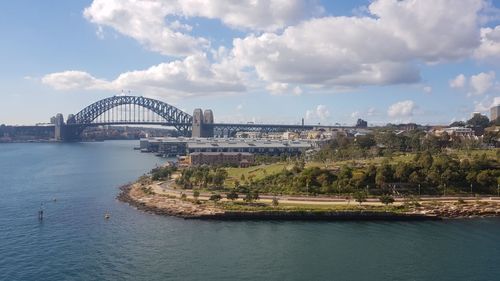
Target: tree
(255, 195)
(479, 121)
(251, 196)
(458, 124)
(486, 179)
(275, 201)
(384, 174)
(196, 194)
(360, 197)
(386, 199)
(365, 142)
(248, 197)
(215, 197)
(232, 195)
(403, 171)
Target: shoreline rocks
(163, 205)
(452, 210)
(139, 197)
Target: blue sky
(325, 61)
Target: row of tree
(426, 174)
(202, 177)
(387, 142)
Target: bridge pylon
(202, 123)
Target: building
(290, 136)
(248, 135)
(240, 159)
(167, 146)
(495, 112)
(263, 147)
(460, 132)
(184, 146)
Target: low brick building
(240, 159)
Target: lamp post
(419, 190)
(471, 189)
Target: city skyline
(322, 61)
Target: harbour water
(75, 242)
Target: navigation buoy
(40, 212)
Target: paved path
(165, 188)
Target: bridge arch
(170, 115)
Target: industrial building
(240, 159)
(495, 112)
(184, 146)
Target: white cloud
(496, 101)
(376, 50)
(486, 104)
(99, 32)
(297, 91)
(189, 77)
(432, 30)
(156, 24)
(239, 107)
(490, 44)
(254, 15)
(74, 80)
(427, 89)
(370, 112)
(402, 109)
(458, 82)
(321, 113)
(277, 88)
(481, 83)
(145, 22)
(383, 45)
(283, 88)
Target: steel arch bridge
(118, 110)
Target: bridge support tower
(66, 132)
(203, 123)
(59, 127)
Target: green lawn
(462, 154)
(257, 172)
(403, 157)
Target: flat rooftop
(232, 143)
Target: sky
(275, 61)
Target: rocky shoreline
(143, 199)
(170, 206)
(150, 203)
(455, 210)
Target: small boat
(107, 216)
